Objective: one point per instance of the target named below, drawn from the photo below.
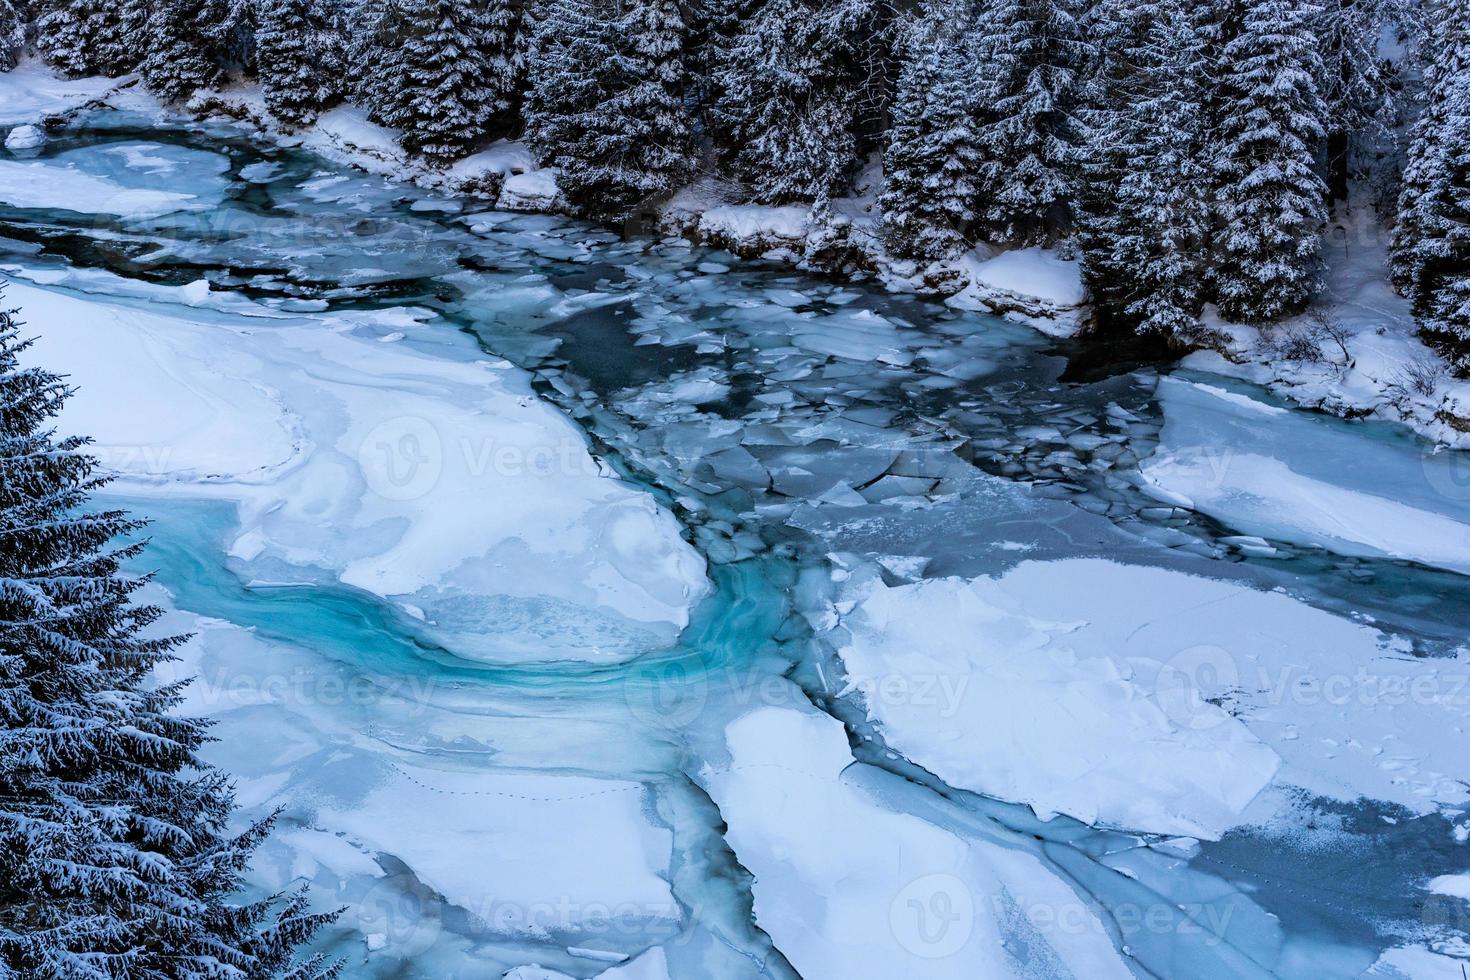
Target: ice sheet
(922, 902)
(441, 482)
(1310, 481)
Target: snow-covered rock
(533, 190)
(22, 139)
(754, 229)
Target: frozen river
(632, 610)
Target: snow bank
(1356, 351)
(444, 484)
(1149, 699)
(31, 91)
(1308, 480)
(754, 229)
(922, 901)
(1030, 272)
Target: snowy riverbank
(1355, 354)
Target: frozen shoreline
(1369, 364)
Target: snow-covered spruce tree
(1356, 83)
(929, 195)
(13, 22)
(622, 133)
(571, 47)
(228, 28)
(93, 37)
(714, 26)
(114, 860)
(1430, 248)
(1443, 305)
(1269, 198)
(374, 31)
(299, 59)
(801, 89)
(1144, 190)
(455, 76)
(1418, 230)
(1028, 54)
(180, 54)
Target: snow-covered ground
(1355, 352)
(31, 92)
(441, 483)
(401, 806)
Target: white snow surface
(443, 483)
(31, 91)
(1034, 272)
(1309, 480)
(1381, 368)
(1149, 699)
(922, 902)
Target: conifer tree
(929, 193)
(622, 133)
(1356, 82)
(1269, 198)
(12, 33)
(375, 32)
(1431, 254)
(93, 37)
(180, 55)
(454, 76)
(1446, 56)
(299, 58)
(1028, 55)
(800, 87)
(571, 47)
(1145, 190)
(114, 861)
(1443, 305)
